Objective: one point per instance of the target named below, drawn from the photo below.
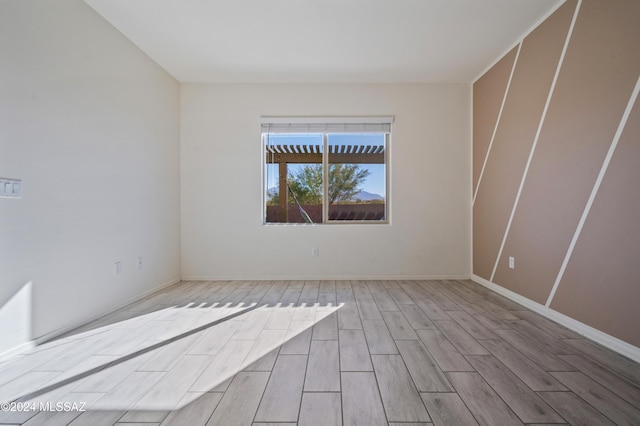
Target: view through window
(326, 176)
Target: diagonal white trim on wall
(594, 191)
(531, 29)
(594, 334)
(537, 136)
(495, 128)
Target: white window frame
(325, 126)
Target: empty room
(319, 212)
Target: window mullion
(387, 177)
(325, 179)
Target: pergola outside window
(326, 170)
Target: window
(326, 170)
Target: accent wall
(557, 167)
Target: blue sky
(375, 182)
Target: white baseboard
(606, 340)
(52, 335)
(23, 347)
(323, 277)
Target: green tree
(306, 183)
(273, 198)
(344, 181)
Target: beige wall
(600, 285)
(584, 109)
(525, 101)
(488, 99)
(222, 231)
(90, 125)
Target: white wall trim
(495, 128)
(525, 35)
(537, 136)
(606, 340)
(365, 119)
(470, 166)
(324, 277)
(596, 187)
(23, 347)
(27, 346)
(52, 335)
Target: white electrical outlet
(117, 268)
(139, 262)
(315, 252)
(10, 188)
(512, 262)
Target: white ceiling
(343, 41)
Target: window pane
(357, 176)
(305, 193)
(293, 166)
(272, 192)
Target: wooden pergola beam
(307, 158)
(283, 155)
(338, 154)
(282, 184)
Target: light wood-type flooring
(321, 353)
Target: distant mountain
(368, 196)
(362, 195)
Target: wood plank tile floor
(321, 353)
